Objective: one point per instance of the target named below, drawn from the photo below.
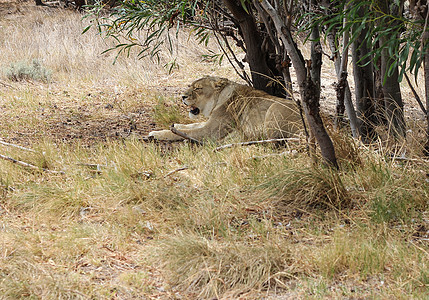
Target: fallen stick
(257, 142)
(5, 84)
(185, 136)
(16, 146)
(27, 165)
(174, 171)
(96, 168)
(401, 158)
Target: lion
(230, 107)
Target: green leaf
(243, 4)
(86, 29)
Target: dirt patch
(81, 124)
(63, 116)
(9, 9)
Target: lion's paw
(163, 135)
(158, 135)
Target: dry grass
(135, 220)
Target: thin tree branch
(6, 85)
(419, 101)
(243, 75)
(257, 142)
(174, 171)
(16, 146)
(185, 136)
(27, 165)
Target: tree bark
(364, 87)
(312, 100)
(426, 76)
(79, 4)
(255, 56)
(348, 103)
(316, 57)
(340, 89)
(310, 94)
(393, 105)
(380, 115)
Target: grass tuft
(210, 268)
(354, 255)
(166, 112)
(309, 187)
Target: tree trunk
(255, 56)
(79, 4)
(310, 94)
(348, 103)
(364, 88)
(380, 115)
(426, 75)
(312, 101)
(310, 97)
(316, 57)
(420, 11)
(393, 105)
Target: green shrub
(28, 71)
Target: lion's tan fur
(230, 106)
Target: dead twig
(16, 146)
(6, 85)
(185, 136)
(27, 165)
(419, 101)
(175, 171)
(96, 168)
(402, 158)
(257, 142)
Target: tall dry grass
(55, 38)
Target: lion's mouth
(194, 110)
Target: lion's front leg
(167, 135)
(192, 126)
(213, 129)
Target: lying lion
(230, 107)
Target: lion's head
(203, 94)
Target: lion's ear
(220, 83)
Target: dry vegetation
(129, 219)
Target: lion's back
(260, 115)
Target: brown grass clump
(209, 268)
(309, 187)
